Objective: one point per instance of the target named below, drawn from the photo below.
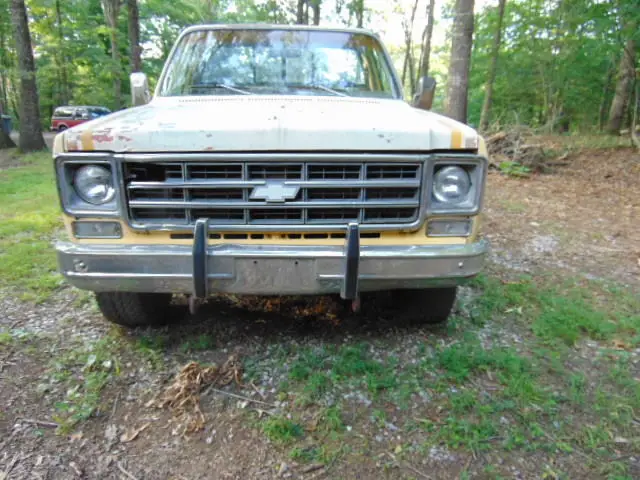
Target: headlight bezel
(72, 203)
(476, 167)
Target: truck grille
(372, 193)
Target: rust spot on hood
(102, 136)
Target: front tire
(131, 309)
(428, 306)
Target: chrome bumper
(267, 270)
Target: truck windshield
(288, 62)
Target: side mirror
(423, 98)
(139, 89)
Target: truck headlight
(451, 185)
(94, 184)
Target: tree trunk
(426, 41)
(300, 12)
(111, 11)
(462, 39)
(408, 65)
(135, 51)
(30, 128)
(4, 102)
(61, 58)
(356, 7)
(626, 73)
(316, 12)
(602, 111)
(488, 94)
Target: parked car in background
(70, 116)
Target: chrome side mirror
(139, 89)
(423, 98)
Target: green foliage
(560, 313)
(514, 169)
(84, 372)
(198, 344)
(281, 430)
(553, 61)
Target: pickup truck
(271, 160)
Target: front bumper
(266, 270)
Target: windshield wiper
(326, 89)
(220, 85)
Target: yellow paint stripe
(86, 138)
(456, 139)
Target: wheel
(62, 128)
(429, 305)
(131, 309)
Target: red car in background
(70, 116)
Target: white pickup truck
(271, 160)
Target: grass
(281, 430)
(83, 372)
(474, 389)
(562, 313)
(29, 220)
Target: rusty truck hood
(270, 123)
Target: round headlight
(94, 184)
(451, 185)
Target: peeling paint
(102, 138)
(86, 138)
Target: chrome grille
(373, 193)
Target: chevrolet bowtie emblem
(275, 192)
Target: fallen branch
(115, 406)
(313, 467)
(40, 423)
(239, 397)
(125, 473)
(11, 465)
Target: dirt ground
(580, 221)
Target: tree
(408, 65)
(302, 12)
(315, 4)
(61, 57)
(626, 74)
(488, 94)
(111, 11)
(135, 50)
(30, 128)
(462, 40)
(426, 41)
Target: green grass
(29, 219)
(84, 372)
(474, 388)
(561, 312)
(281, 430)
(198, 343)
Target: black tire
(62, 128)
(430, 305)
(131, 309)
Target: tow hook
(194, 304)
